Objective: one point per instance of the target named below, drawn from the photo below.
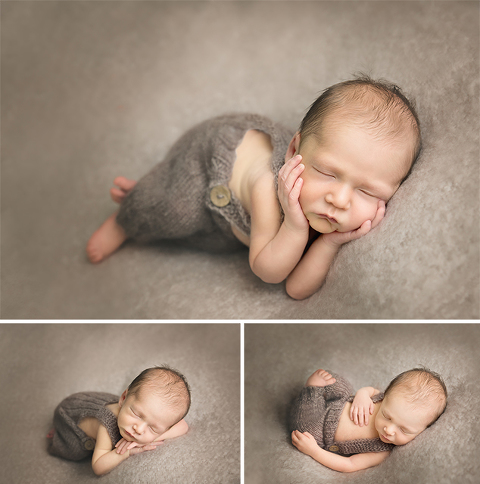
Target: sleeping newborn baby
(149, 411)
(293, 200)
(349, 433)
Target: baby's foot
(124, 185)
(106, 240)
(320, 378)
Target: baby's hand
(362, 407)
(339, 238)
(304, 442)
(123, 445)
(143, 448)
(289, 187)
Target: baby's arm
(306, 443)
(311, 271)
(105, 458)
(275, 248)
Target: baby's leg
(124, 185)
(106, 240)
(320, 378)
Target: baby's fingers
(289, 166)
(122, 447)
(365, 418)
(361, 417)
(362, 230)
(354, 415)
(380, 214)
(289, 173)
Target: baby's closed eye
(329, 175)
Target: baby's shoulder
(114, 408)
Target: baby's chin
(321, 225)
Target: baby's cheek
(368, 210)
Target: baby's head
(413, 401)
(156, 400)
(359, 141)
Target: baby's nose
(340, 197)
(389, 430)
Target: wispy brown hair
(421, 386)
(379, 106)
(169, 384)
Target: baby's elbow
(298, 296)
(271, 278)
(183, 427)
(296, 292)
(98, 470)
(266, 274)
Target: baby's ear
(293, 147)
(122, 398)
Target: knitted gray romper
(317, 410)
(71, 442)
(186, 196)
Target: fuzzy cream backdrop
(280, 357)
(93, 90)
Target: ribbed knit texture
(317, 410)
(173, 200)
(69, 441)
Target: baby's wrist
(330, 242)
(295, 231)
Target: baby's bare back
(253, 162)
(348, 430)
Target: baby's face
(144, 417)
(398, 421)
(346, 176)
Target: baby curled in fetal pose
(293, 198)
(150, 411)
(347, 433)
